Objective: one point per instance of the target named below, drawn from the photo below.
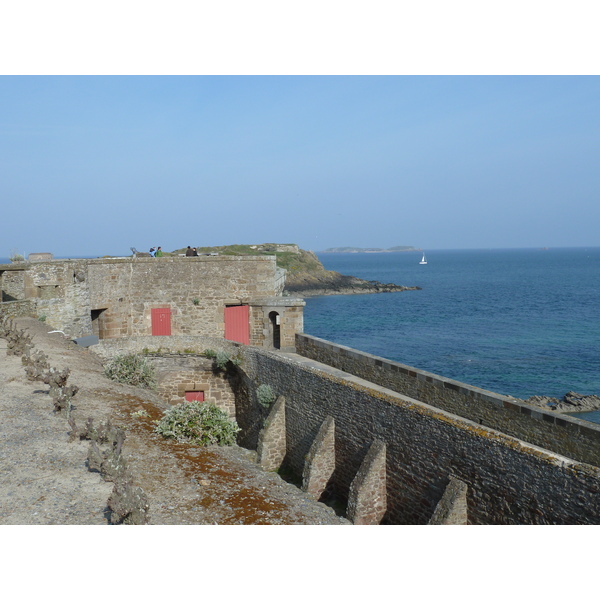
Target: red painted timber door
(194, 396)
(161, 321)
(237, 324)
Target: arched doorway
(274, 319)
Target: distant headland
(394, 249)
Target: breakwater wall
(558, 433)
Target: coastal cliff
(314, 280)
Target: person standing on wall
(159, 252)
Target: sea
(520, 322)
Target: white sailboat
(423, 260)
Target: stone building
(238, 298)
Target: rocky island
(306, 275)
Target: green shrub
(223, 360)
(265, 395)
(132, 369)
(198, 422)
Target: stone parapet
(565, 435)
(149, 344)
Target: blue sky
(91, 165)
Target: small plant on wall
(223, 361)
(198, 422)
(265, 395)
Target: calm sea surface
(518, 322)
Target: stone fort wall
(390, 458)
(420, 452)
(195, 289)
(565, 435)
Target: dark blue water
(517, 322)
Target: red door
(237, 324)
(194, 396)
(161, 321)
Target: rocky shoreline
(571, 402)
(308, 277)
(317, 281)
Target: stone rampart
(435, 467)
(565, 435)
(508, 481)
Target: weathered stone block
(452, 507)
(272, 438)
(367, 500)
(320, 461)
